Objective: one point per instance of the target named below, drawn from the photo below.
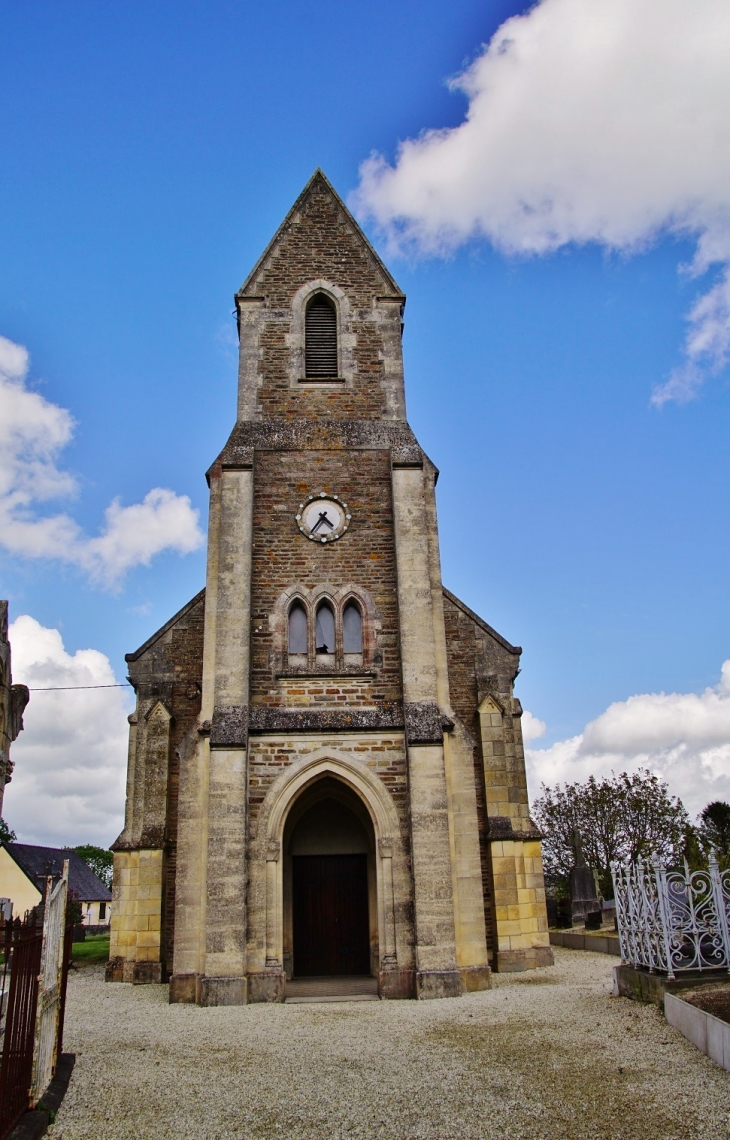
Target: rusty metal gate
(33, 977)
(22, 943)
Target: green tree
(75, 909)
(693, 849)
(714, 830)
(99, 859)
(7, 835)
(618, 817)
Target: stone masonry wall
(169, 669)
(13, 699)
(484, 667)
(384, 755)
(461, 647)
(283, 557)
(464, 642)
(327, 691)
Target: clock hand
(322, 519)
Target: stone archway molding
(282, 794)
(338, 596)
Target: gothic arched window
(325, 629)
(298, 629)
(352, 628)
(320, 339)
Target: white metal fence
(672, 920)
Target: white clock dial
(323, 518)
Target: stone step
(358, 988)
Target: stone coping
(643, 985)
(598, 943)
(708, 1033)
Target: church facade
(326, 772)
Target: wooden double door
(331, 928)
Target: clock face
(323, 518)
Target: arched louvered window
(320, 339)
(325, 629)
(297, 629)
(352, 629)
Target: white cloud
(133, 535)
(532, 727)
(588, 121)
(33, 433)
(70, 760)
(682, 737)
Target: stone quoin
(326, 770)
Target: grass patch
(95, 948)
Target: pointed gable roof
(514, 649)
(37, 863)
(130, 657)
(318, 183)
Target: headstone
(593, 920)
(583, 892)
(565, 914)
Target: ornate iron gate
(673, 920)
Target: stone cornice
(385, 717)
(315, 435)
(425, 723)
(229, 726)
(502, 827)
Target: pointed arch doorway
(330, 889)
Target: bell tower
(319, 320)
(329, 761)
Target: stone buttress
(258, 704)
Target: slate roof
(39, 862)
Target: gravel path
(547, 1055)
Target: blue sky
(148, 154)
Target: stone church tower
(326, 771)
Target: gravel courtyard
(548, 1054)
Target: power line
(64, 688)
